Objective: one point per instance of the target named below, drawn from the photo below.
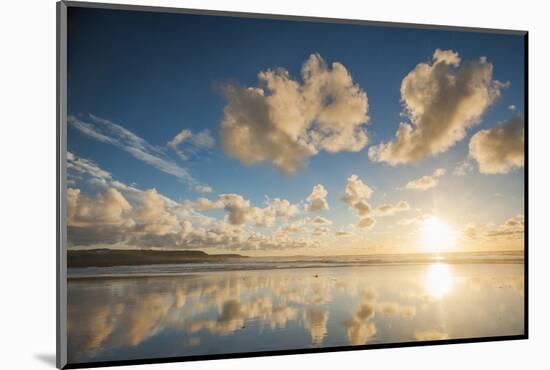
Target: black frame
(61, 255)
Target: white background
(27, 181)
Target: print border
(61, 147)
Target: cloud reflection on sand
(112, 318)
(315, 320)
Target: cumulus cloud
(154, 217)
(357, 194)
(103, 218)
(122, 214)
(152, 220)
(321, 220)
(206, 204)
(343, 233)
(192, 143)
(284, 121)
(389, 209)
(294, 227)
(107, 208)
(500, 149)
(275, 209)
(304, 225)
(442, 99)
(426, 182)
(321, 231)
(512, 229)
(109, 218)
(366, 222)
(317, 200)
(240, 210)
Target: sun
(437, 235)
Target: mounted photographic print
(236, 184)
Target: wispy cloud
(109, 132)
(193, 143)
(84, 170)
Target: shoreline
(216, 268)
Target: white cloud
(155, 221)
(81, 170)
(304, 225)
(181, 136)
(111, 133)
(206, 204)
(317, 200)
(321, 220)
(426, 182)
(85, 166)
(389, 209)
(500, 149)
(106, 208)
(203, 189)
(366, 222)
(442, 100)
(321, 231)
(192, 143)
(357, 194)
(285, 121)
(104, 218)
(239, 210)
(510, 230)
(154, 217)
(275, 209)
(344, 233)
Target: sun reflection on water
(439, 280)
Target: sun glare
(437, 235)
(439, 280)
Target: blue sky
(157, 74)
